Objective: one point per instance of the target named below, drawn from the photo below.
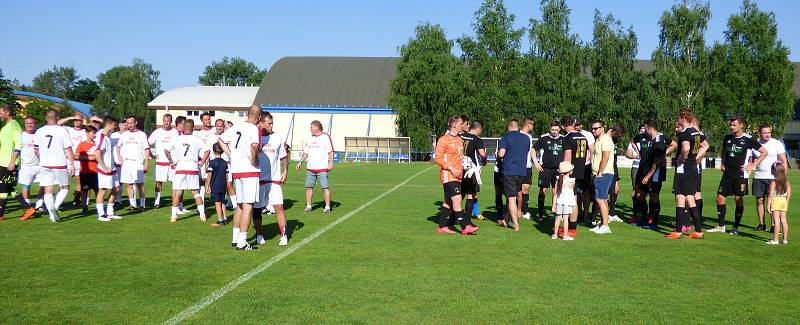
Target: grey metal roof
(328, 81)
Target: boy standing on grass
(88, 166)
(216, 184)
(106, 170)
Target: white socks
(132, 201)
(201, 209)
(174, 212)
(157, 200)
(242, 241)
(100, 211)
(109, 209)
(235, 235)
(62, 194)
(48, 202)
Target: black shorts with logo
(8, 180)
(512, 185)
(88, 181)
(761, 187)
(736, 186)
(451, 189)
(685, 184)
(548, 178)
(528, 178)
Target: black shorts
(761, 187)
(8, 180)
(512, 185)
(585, 185)
(650, 187)
(217, 197)
(528, 179)
(88, 182)
(685, 184)
(451, 189)
(735, 186)
(469, 186)
(548, 178)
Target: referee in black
(475, 151)
(552, 153)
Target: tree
(232, 72)
(84, 91)
(56, 82)
(37, 108)
(6, 97)
(430, 84)
(126, 90)
(752, 74)
(494, 63)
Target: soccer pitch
(385, 263)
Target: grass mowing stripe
(210, 299)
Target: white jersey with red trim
(269, 159)
(239, 138)
(160, 139)
(27, 155)
(317, 148)
(210, 141)
(76, 136)
(184, 151)
(132, 145)
(102, 143)
(207, 135)
(51, 140)
(115, 136)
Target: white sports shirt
(269, 159)
(132, 145)
(102, 143)
(160, 139)
(76, 136)
(184, 151)
(51, 140)
(239, 139)
(317, 148)
(27, 156)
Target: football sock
(100, 211)
(525, 201)
(444, 217)
(48, 202)
(157, 199)
(469, 206)
(737, 215)
(540, 204)
(60, 196)
(721, 214)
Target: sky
(180, 38)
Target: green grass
(386, 264)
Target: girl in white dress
(564, 202)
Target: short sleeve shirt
(603, 144)
(318, 148)
(735, 151)
(764, 169)
(10, 141)
(517, 155)
(218, 169)
(51, 140)
(240, 138)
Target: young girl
(778, 203)
(564, 203)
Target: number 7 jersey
(51, 140)
(240, 138)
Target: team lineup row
(581, 168)
(248, 159)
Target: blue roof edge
(83, 108)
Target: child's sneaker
(554, 236)
(569, 238)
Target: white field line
(214, 296)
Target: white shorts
(107, 181)
(185, 182)
(269, 194)
(246, 189)
(76, 167)
(163, 173)
(132, 172)
(27, 175)
(49, 176)
(562, 209)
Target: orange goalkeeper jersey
(448, 155)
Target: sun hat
(565, 167)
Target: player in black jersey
(691, 145)
(650, 176)
(475, 152)
(735, 171)
(637, 148)
(551, 152)
(575, 148)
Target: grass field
(386, 264)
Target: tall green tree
(232, 72)
(126, 90)
(84, 91)
(557, 79)
(431, 83)
(495, 66)
(752, 74)
(55, 82)
(6, 97)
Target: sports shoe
(156, 206)
(29, 213)
(603, 230)
(685, 229)
(307, 209)
(614, 218)
(674, 235)
(233, 244)
(480, 217)
(760, 227)
(246, 247)
(55, 217)
(735, 231)
(85, 210)
(697, 235)
(181, 212)
(260, 240)
(469, 229)
(717, 229)
(203, 218)
(173, 219)
(554, 236)
(526, 216)
(445, 230)
(284, 241)
(773, 242)
(572, 232)
(326, 210)
(569, 238)
(219, 223)
(113, 217)
(785, 242)
(133, 208)
(103, 219)
(595, 229)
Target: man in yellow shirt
(10, 146)
(602, 172)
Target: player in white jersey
(54, 149)
(240, 142)
(318, 150)
(208, 134)
(28, 167)
(77, 135)
(273, 162)
(134, 153)
(161, 138)
(106, 171)
(182, 154)
(115, 136)
(219, 127)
